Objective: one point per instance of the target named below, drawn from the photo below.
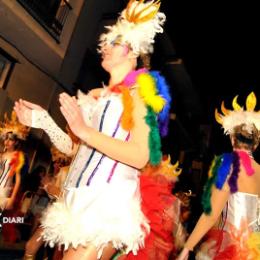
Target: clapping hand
(24, 109)
(73, 115)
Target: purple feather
(234, 175)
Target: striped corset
(91, 167)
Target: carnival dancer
(53, 188)
(11, 160)
(11, 163)
(119, 127)
(231, 196)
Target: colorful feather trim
(253, 244)
(16, 163)
(246, 162)
(206, 197)
(225, 168)
(163, 90)
(130, 79)
(154, 137)
(154, 91)
(234, 175)
(147, 90)
(127, 121)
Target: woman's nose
(105, 49)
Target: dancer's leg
(88, 253)
(81, 253)
(33, 245)
(108, 252)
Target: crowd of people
(110, 194)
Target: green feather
(154, 137)
(206, 196)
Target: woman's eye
(115, 43)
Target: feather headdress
(14, 126)
(136, 26)
(168, 169)
(165, 168)
(232, 118)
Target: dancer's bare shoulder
(256, 166)
(250, 184)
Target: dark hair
(243, 138)
(13, 136)
(143, 61)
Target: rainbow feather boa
(227, 164)
(154, 90)
(16, 163)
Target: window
(6, 67)
(50, 14)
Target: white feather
(139, 36)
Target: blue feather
(224, 169)
(163, 90)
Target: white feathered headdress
(137, 26)
(232, 118)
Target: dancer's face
(113, 55)
(10, 142)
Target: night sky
(217, 41)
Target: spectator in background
(49, 190)
(11, 163)
(33, 180)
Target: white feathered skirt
(97, 215)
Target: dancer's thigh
(81, 253)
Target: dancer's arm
(206, 222)
(35, 116)
(135, 152)
(17, 184)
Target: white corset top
(242, 207)
(90, 166)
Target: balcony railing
(51, 14)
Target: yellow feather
(251, 102)
(176, 165)
(211, 167)
(253, 243)
(157, 103)
(169, 170)
(218, 117)
(136, 17)
(235, 105)
(223, 109)
(20, 161)
(147, 90)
